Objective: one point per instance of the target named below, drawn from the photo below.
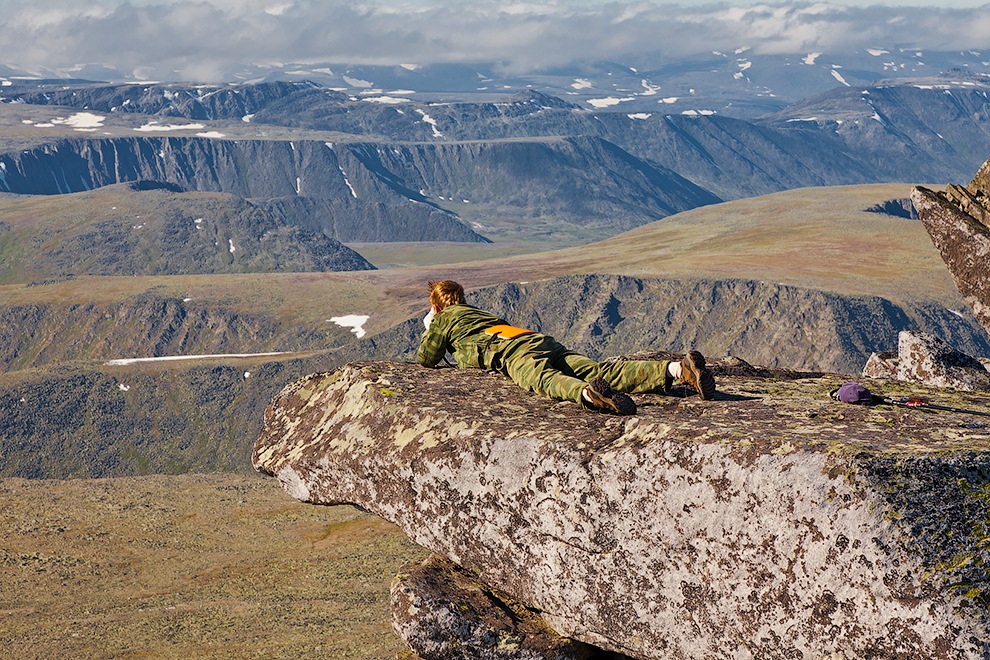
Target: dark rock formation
(771, 522)
(443, 613)
(926, 359)
(958, 221)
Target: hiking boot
(696, 374)
(600, 395)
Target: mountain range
(522, 167)
(741, 82)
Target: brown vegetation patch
(191, 566)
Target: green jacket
(460, 330)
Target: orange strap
(507, 331)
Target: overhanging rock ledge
(771, 522)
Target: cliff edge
(958, 221)
(770, 522)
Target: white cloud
(211, 39)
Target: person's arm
(433, 345)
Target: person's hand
(428, 318)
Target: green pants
(541, 364)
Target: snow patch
(247, 118)
(608, 101)
(432, 122)
(233, 248)
(838, 76)
(581, 83)
(410, 67)
(810, 58)
(155, 126)
(211, 134)
(640, 115)
(169, 358)
(877, 52)
(353, 321)
(346, 180)
(387, 100)
(651, 89)
(298, 185)
(81, 121)
(123, 388)
(668, 100)
(357, 82)
(698, 113)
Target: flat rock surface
(770, 522)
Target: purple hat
(853, 393)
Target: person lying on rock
(538, 363)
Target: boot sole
(604, 397)
(697, 375)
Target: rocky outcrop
(771, 522)
(926, 359)
(958, 220)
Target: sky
(205, 40)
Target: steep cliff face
(771, 522)
(579, 181)
(958, 220)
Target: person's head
(445, 293)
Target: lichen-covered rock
(443, 613)
(926, 359)
(958, 221)
(882, 364)
(771, 522)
